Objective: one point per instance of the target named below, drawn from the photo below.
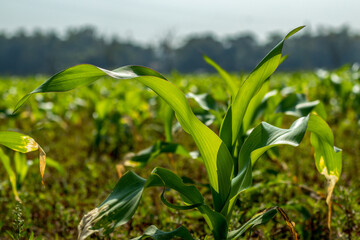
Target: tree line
(47, 52)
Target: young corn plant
(24, 144)
(228, 157)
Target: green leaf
(12, 177)
(225, 75)
(217, 159)
(205, 100)
(167, 114)
(18, 142)
(146, 155)
(258, 219)
(121, 204)
(24, 144)
(252, 85)
(296, 105)
(328, 158)
(254, 104)
(261, 139)
(117, 209)
(154, 233)
(21, 168)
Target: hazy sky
(150, 20)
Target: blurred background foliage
(88, 132)
(47, 52)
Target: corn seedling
(228, 158)
(24, 144)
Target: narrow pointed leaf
(224, 74)
(255, 102)
(253, 83)
(12, 176)
(154, 233)
(258, 219)
(168, 117)
(217, 159)
(262, 218)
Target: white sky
(149, 20)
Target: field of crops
(94, 134)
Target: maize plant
(228, 157)
(24, 144)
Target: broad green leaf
(117, 209)
(24, 144)
(217, 159)
(258, 219)
(252, 85)
(261, 139)
(154, 233)
(18, 142)
(264, 137)
(225, 75)
(121, 204)
(144, 156)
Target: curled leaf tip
(42, 163)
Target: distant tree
(188, 58)
(45, 52)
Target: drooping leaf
(24, 144)
(121, 204)
(117, 209)
(154, 233)
(264, 137)
(217, 159)
(18, 142)
(261, 139)
(52, 163)
(328, 158)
